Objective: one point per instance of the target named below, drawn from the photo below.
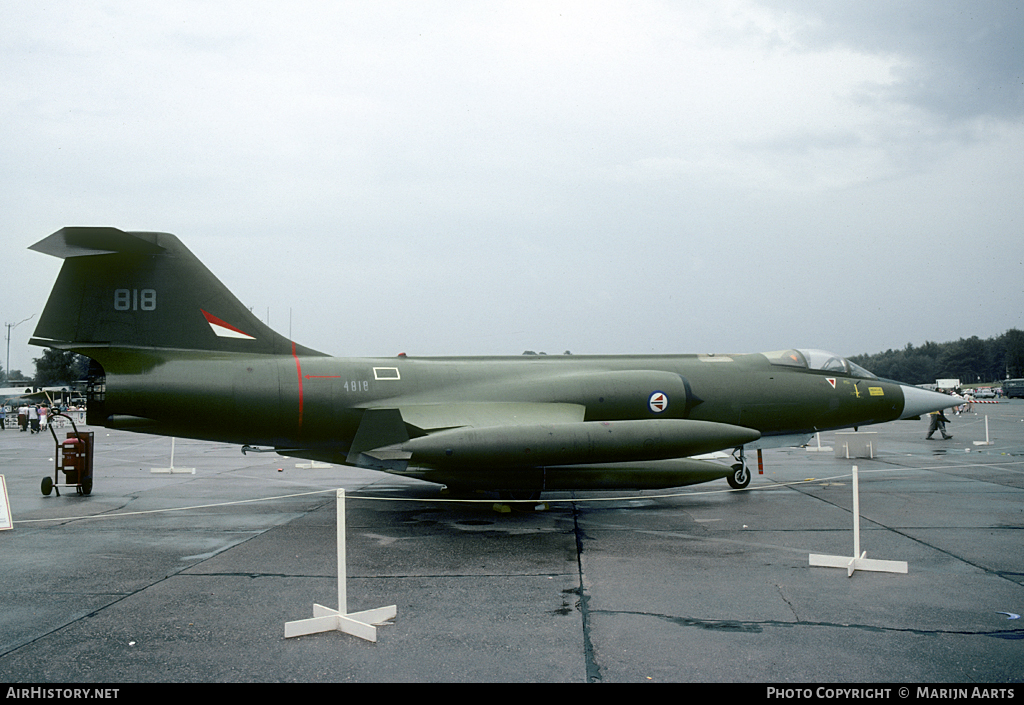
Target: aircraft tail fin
(142, 290)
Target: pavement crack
(756, 627)
(789, 604)
(593, 670)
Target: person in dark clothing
(938, 423)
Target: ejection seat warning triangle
(5, 506)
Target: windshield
(817, 360)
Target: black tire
(739, 478)
(46, 486)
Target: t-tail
(139, 291)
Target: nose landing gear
(740, 476)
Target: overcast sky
(490, 177)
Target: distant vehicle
(1013, 388)
(984, 393)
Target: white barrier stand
(855, 444)
(985, 442)
(172, 470)
(325, 619)
(820, 448)
(858, 562)
(5, 507)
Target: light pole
(7, 367)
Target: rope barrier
(444, 500)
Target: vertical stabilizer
(144, 290)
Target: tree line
(55, 368)
(971, 360)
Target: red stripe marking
(298, 369)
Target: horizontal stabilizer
(84, 241)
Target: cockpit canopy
(817, 360)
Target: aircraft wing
(382, 429)
(436, 417)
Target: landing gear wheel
(46, 486)
(740, 477)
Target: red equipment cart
(73, 457)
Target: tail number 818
(135, 299)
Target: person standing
(937, 423)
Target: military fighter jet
(175, 353)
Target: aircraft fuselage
(318, 402)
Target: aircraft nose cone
(917, 401)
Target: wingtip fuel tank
(576, 443)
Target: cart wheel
(86, 486)
(46, 486)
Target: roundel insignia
(658, 402)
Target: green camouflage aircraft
(175, 353)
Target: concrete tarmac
(191, 578)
